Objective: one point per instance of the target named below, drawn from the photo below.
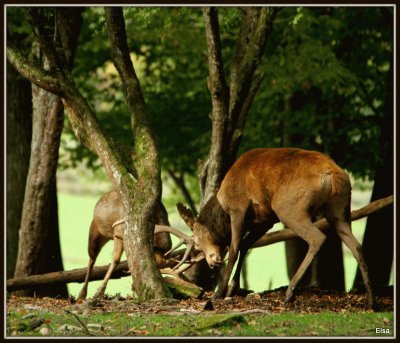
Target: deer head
(203, 238)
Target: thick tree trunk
(326, 270)
(379, 232)
(19, 133)
(39, 247)
(34, 235)
(141, 214)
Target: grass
(116, 324)
(266, 266)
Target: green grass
(290, 324)
(266, 266)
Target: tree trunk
(230, 105)
(326, 270)
(19, 134)
(379, 232)
(141, 214)
(39, 247)
(34, 234)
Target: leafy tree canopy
(326, 74)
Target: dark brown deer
(107, 224)
(265, 186)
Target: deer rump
(265, 186)
(107, 224)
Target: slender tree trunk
(19, 133)
(230, 104)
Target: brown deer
(265, 186)
(107, 224)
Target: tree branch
(40, 25)
(286, 234)
(123, 63)
(219, 92)
(216, 80)
(35, 73)
(254, 31)
(241, 121)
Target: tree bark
(379, 232)
(230, 104)
(39, 247)
(138, 233)
(19, 134)
(34, 234)
(145, 187)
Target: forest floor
(242, 316)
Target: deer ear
(187, 215)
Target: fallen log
(75, 275)
(78, 275)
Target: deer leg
(236, 236)
(117, 253)
(247, 242)
(315, 238)
(96, 242)
(343, 229)
(83, 292)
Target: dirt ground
(306, 301)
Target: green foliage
(326, 82)
(327, 71)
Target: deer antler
(188, 240)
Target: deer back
(266, 178)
